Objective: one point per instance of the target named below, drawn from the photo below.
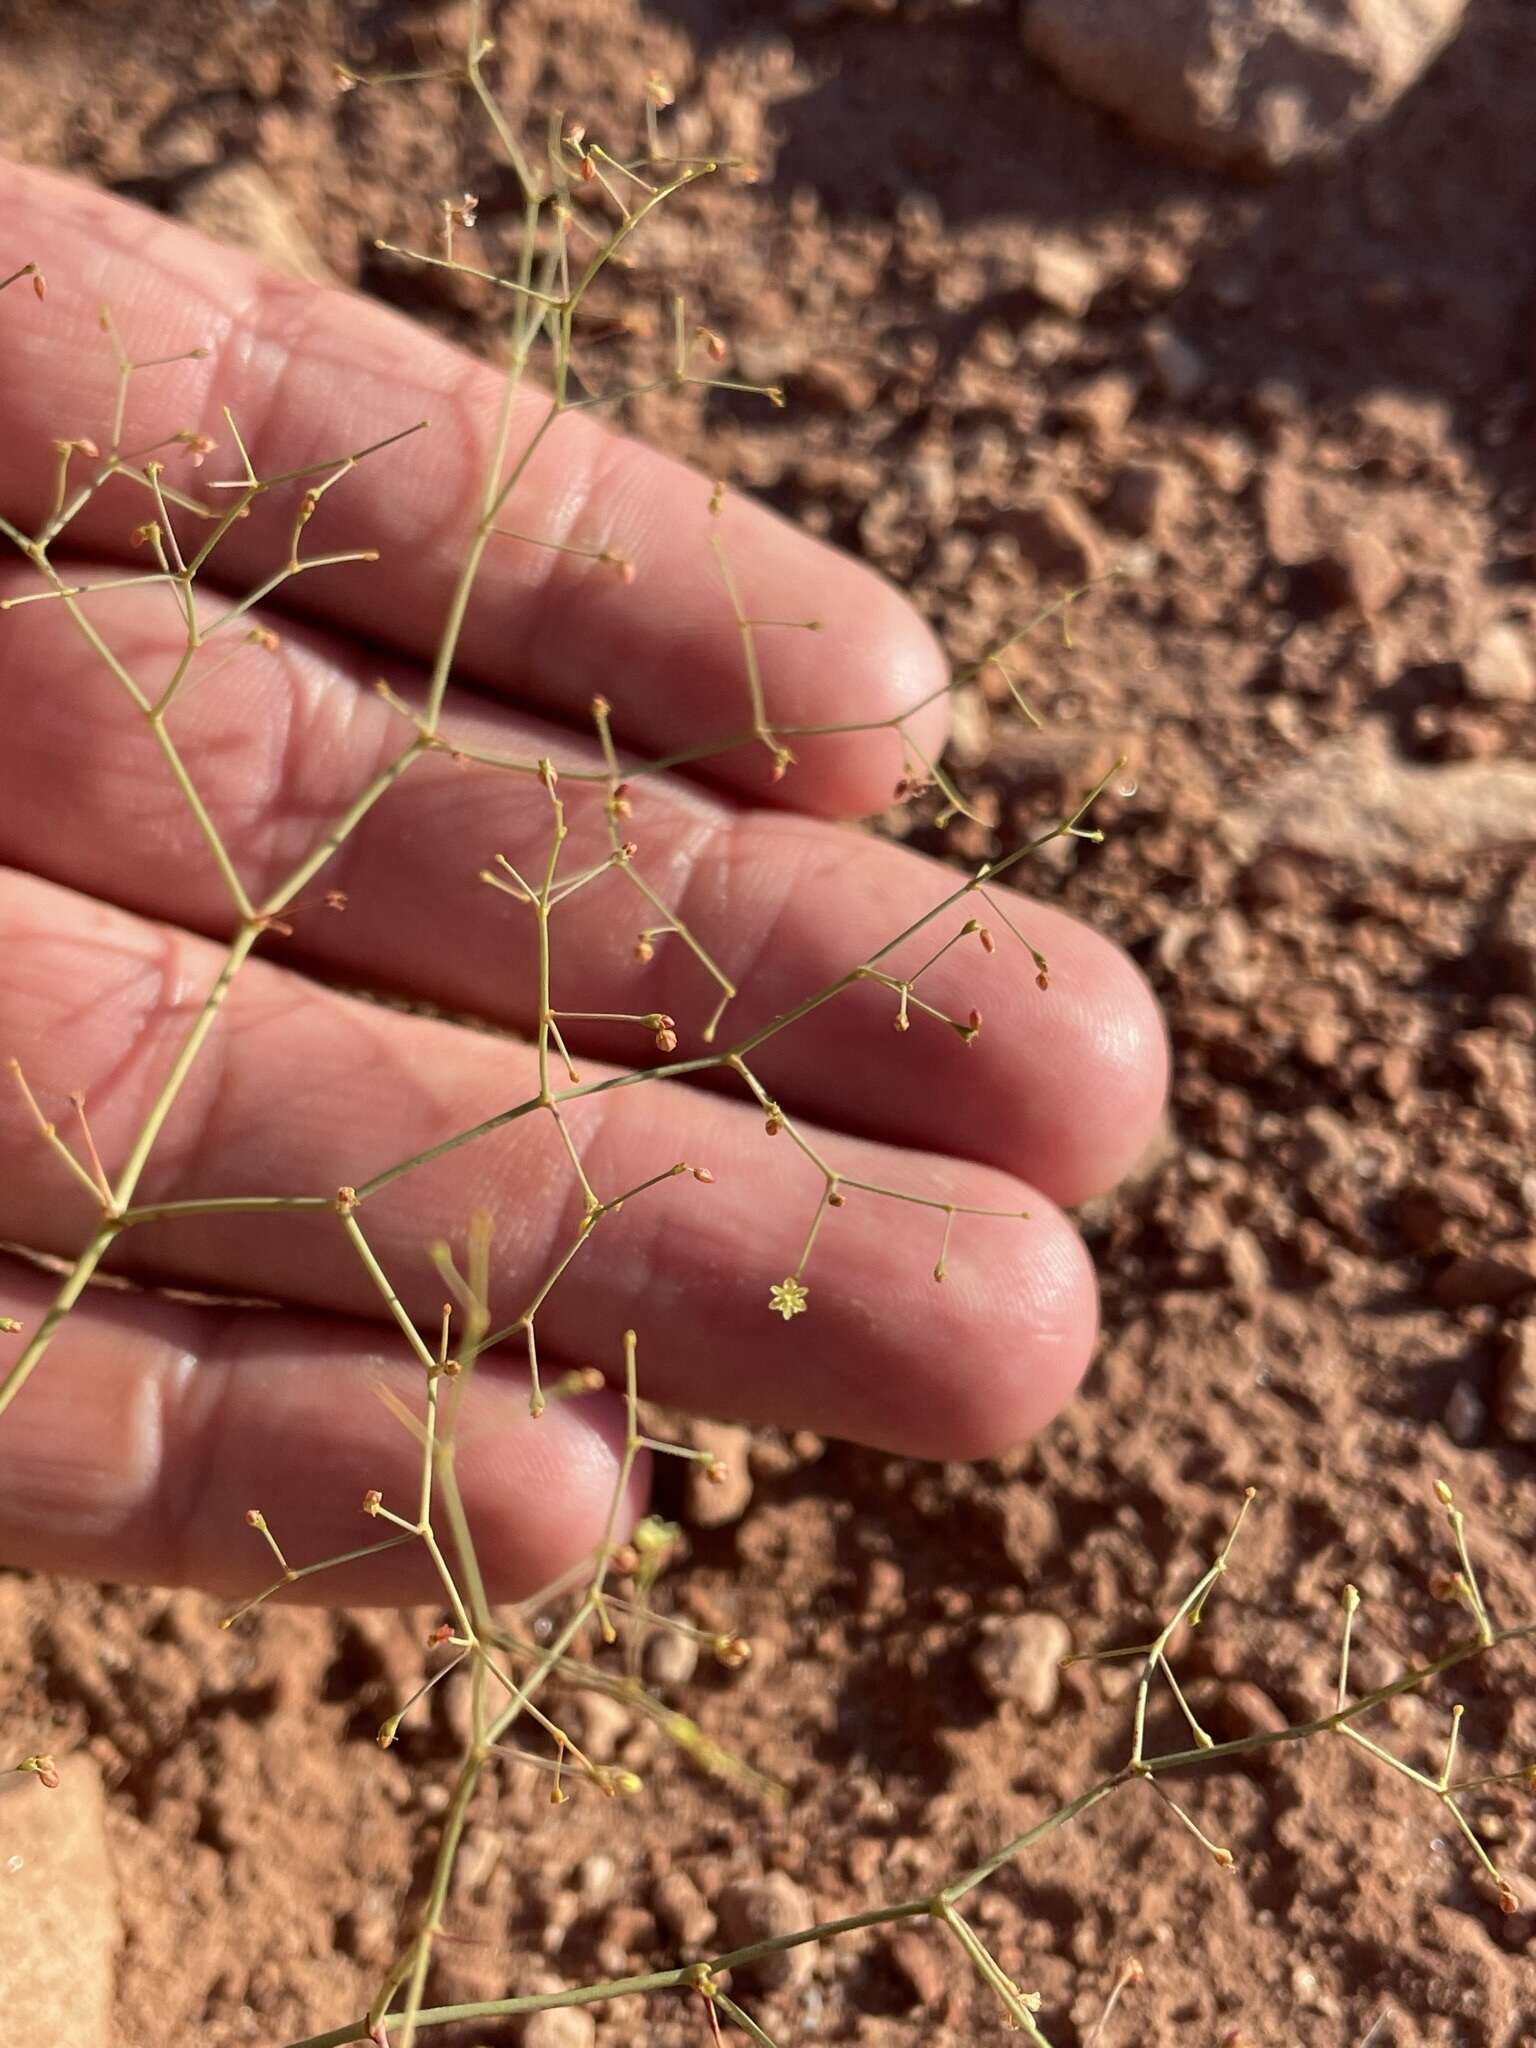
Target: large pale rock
(1354, 799)
(1260, 84)
(59, 1929)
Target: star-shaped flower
(788, 1297)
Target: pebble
(835, 383)
(671, 1658)
(1148, 499)
(1500, 669)
(1236, 1711)
(758, 1910)
(1246, 1263)
(1103, 404)
(682, 1909)
(1065, 274)
(604, 1725)
(1481, 1280)
(560, 2026)
(715, 1502)
(1514, 938)
(1179, 369)
(1019, 1658)
(1361, 571)
(1466, 1415)
(1057, 535)
(1515, 1394)
(596, 1876)
(918, 1967)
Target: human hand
(152, 1424)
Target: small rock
(61, 1923)
(1177, 365)
(240, 205)
(671, 1658)
(1361, 571)
(1226, 458)
(596, 1876)
(1019, 1658)
(836, 383)
(1328, 1142)
(604, 1725)
(1148, 499)
(1514, 1403)
(1476, 1280)
(1515, 932)
(682, 1909)
(719, 1493)
(1500, 670)
(560, 2026)
(760, 1910)
(929, 475)
(919, 1968)
(1065, 274)
(1260, 86)
(1287, 515)
(1102, 404)
(366, 1932)
(188, 141)
(1236, 1711)
(970, 726)
(1161, 271)
(1465, 1416)
(1057, 535)
(1421, 1217)
(479, 1853)
(1247, 1266)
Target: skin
(153, 1423)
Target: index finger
(311, 374)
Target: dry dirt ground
(1306, 410)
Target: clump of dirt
(1017, 349)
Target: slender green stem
(74, 1284)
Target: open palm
(154, 1421)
